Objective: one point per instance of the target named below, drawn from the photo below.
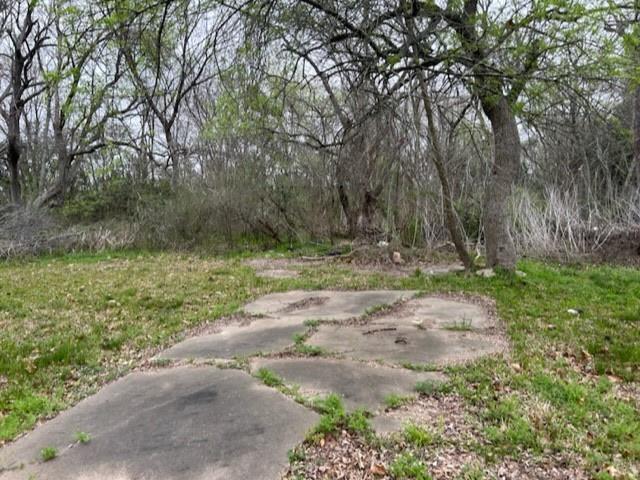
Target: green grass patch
(82, 437)
(432, 387)
(309, 350)
(418, 436)
(48, 453)
(396, 401)
(335, 418)
(269, 378)
(407, 467)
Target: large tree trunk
(499, 245)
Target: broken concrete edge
(270, 372)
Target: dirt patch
(345, 456)
(622, 246)
(446, 413)
(368, 260)
(628, 392)
(450, 457)
(277, 273)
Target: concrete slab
(400, 344)
(359, 384)
(442, 269)
(277, 273)
(437, 312)
(264, 335)
(323, 305)
(178, 424)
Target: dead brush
(560, 225)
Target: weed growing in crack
(48, 453)
(421, 367)
(269, 378)
(82, 437)
(335, 418)
(464, 325)
(396, 401)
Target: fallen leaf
(378, 469)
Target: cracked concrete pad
(406, 344)
(324, 305)
(442, 269)
(436, 312)
(178, 424)
(277, 273)
(360, 385)
(263, 335)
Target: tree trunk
(450, 215)
(343, 196)
(636, 133)
(56, 194)
(506, 141)
(174, 156)
(13, 161)
(365, 228)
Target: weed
(421, 367)
(309, 350)
(296, 455)
(471, 472)
(299, 338)
(396, 401)
(432, 387)
(48, 453)
(82, 437)
(269, 378)
(418, 436)
(463, 325)
(407, 467)
(335, 418)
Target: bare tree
(168, 49)
(27, 30)
(82, 85)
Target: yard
(570, 386)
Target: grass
(432, 387)
(464, 325)
(70, 324)
(82, 437)
(396, 401)
(419, 436)
(301, 348)
(421, 367)
(269, 378)
(48, 453)
(335, 418)
(407, 467)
